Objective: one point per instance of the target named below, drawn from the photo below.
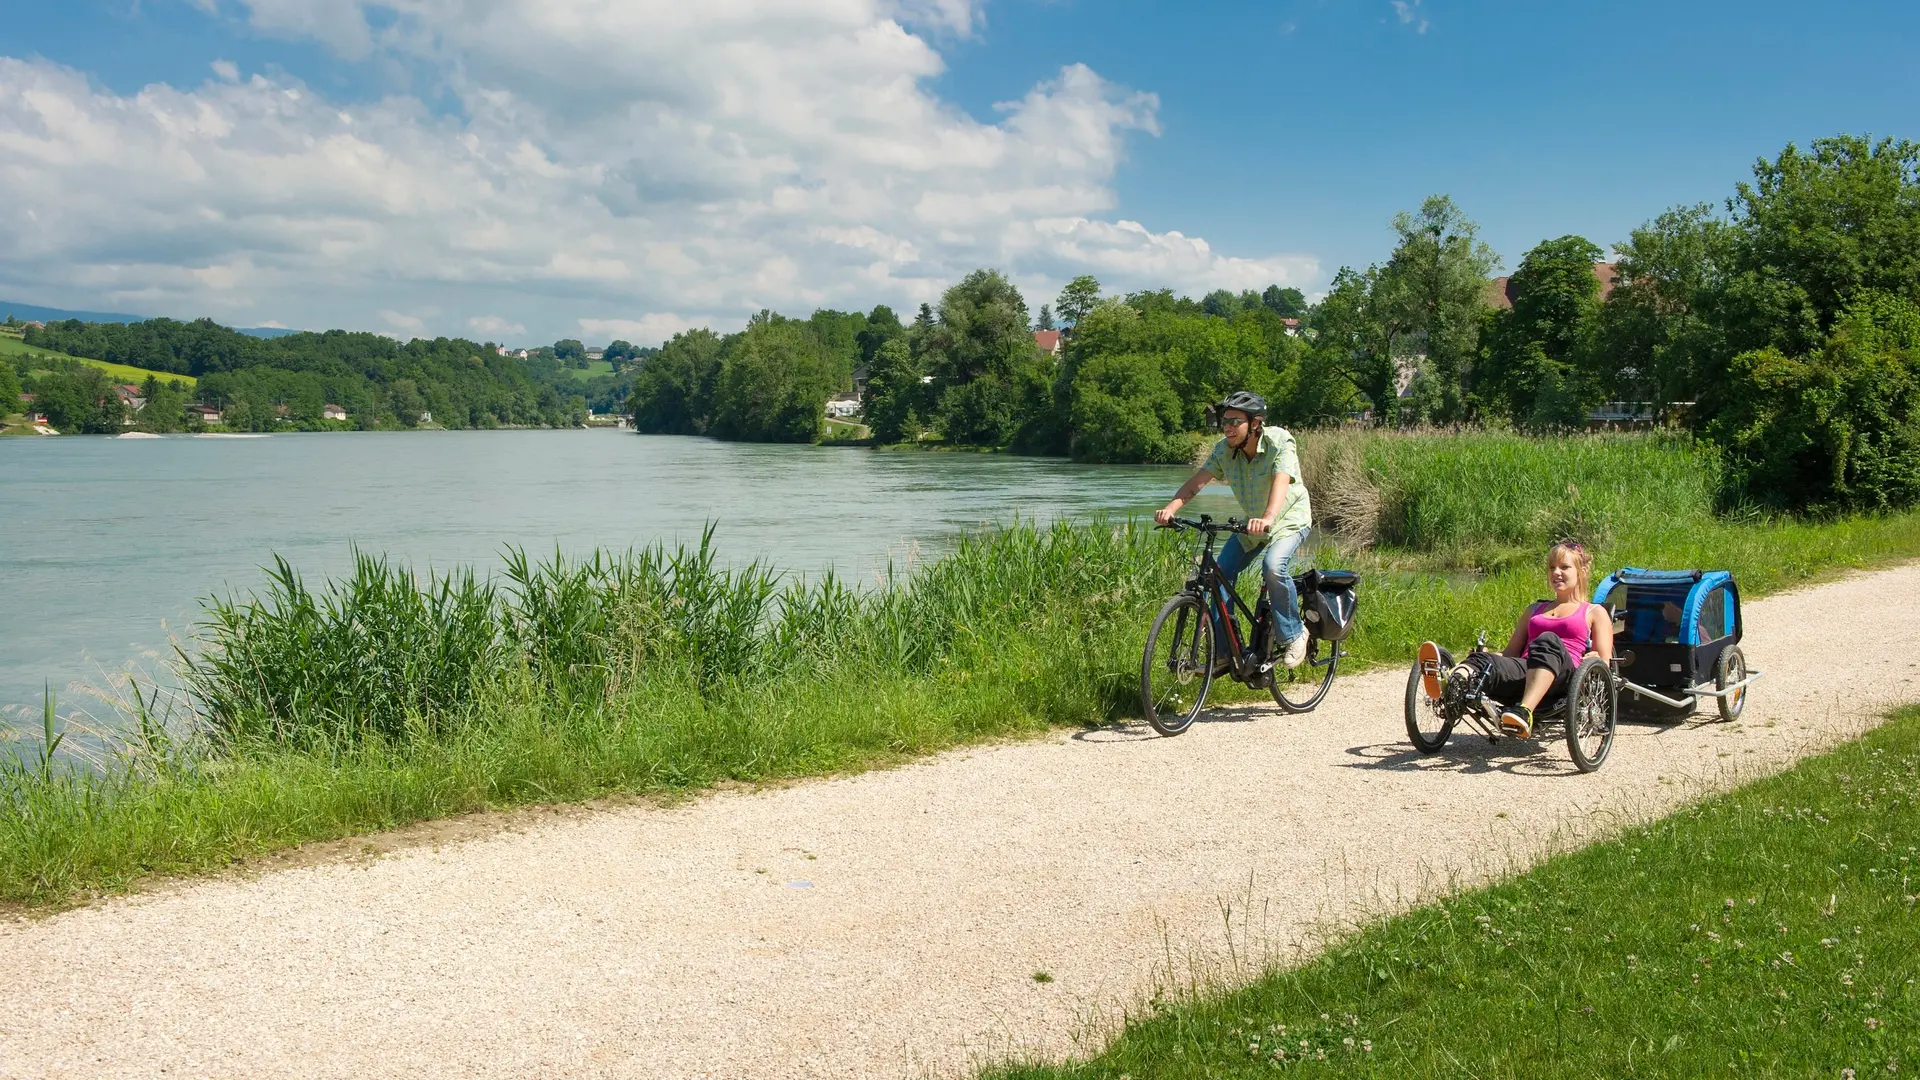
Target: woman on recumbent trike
(1543, 661)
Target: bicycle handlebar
(1207, 524)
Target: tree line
(273, 384)
(1782, 328)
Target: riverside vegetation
(1770, 931)
(378, 699)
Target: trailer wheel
(1729, 671)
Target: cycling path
(887, 924)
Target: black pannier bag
(1329, 610)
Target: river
(109, 544)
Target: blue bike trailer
(1670, 629)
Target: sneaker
(1296, 652)
(1431, 680)
(1517, 721)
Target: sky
(526, 170)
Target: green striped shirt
(1251, 478)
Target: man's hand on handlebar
(1164, 516)
(1258, 526)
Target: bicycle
(1175, 679)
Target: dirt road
(888, 924)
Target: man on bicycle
(1262, 467)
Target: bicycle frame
(1220, 597)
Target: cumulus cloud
(604, 166)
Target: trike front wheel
(1427, 724)
(1176, 669)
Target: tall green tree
(1429, 296)
(980, 352)
(1651, 339)
(1288, 303)
(774, 383)
(1077, 299)
(1530, 368)
(673, 392)
(882, 326)
(897, 402)
(9, 388)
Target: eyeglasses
(1232, 422)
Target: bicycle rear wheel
(1176, 668)
(1298, 690)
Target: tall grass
(1476, 497)
(378, 699)
(384, 697)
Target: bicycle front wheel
(1176, 670)
(1299, 690)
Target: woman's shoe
(1517, 721)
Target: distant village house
(333, 412)
(206, 414)
(1048, 341)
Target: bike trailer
(1676, 633)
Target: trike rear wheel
(1176, 668)
(1593, 709)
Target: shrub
(1836, 430)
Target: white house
(842, 407)
(206, 414)
(333, 412)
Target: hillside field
(11, 345)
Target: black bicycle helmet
(1245, 401)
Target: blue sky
(515, 169)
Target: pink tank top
(1571, 628)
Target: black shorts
(1507, 675)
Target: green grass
(11, 345)
(593, 370)
(1771, 931)
(373, 701)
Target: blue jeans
(1276, 563)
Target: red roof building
(1048, 341)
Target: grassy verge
(1772, 931)
(374, 701)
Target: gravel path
(888, 924)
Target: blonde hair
(1581, 558)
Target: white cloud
(606, 165)
(493, 326)
(406, 324)
(646, 330)
(227, 70)
(1409, 13)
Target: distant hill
(36, 313)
